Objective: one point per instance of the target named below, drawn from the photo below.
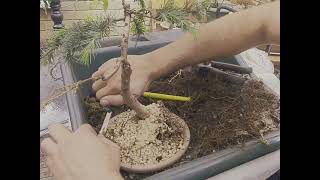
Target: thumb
(107, 141)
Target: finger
(86, 129)
(107, 90)
(103, 68)
(48, 147)
(107, 141)
(108, 74)
(107, 63)
(51, 166)
(99, 84)
(59, 133)
(57, 167)
(114, 100)
(98, 73)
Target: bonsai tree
(78, 43)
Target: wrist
(155, 66)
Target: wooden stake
(104, 127)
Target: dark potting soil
(221, 114)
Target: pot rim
(166, 163)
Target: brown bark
(128, 97)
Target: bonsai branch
(73, 87)
(62, 91)
(116, 68)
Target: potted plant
(65, 43)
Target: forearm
(223, 37)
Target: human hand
(109, 91)
(81, 155)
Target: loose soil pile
(147, 141)
(221, 114)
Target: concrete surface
(55, 112)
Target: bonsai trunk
(128, 97)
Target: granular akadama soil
(146, 141)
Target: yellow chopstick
(166, 97)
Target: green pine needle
(142, 4)
(54, 42)
(175, 15)
(197, 8)
(138, 27)
(79, 41)
(105, 4)
(87, 52)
